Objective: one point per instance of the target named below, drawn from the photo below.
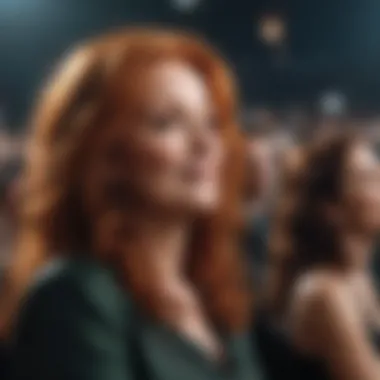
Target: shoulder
(76, 284)
(74, 324)
(320, 289)
(319, 303)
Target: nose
(200, 144)
(202, 140)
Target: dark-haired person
(321, 318)
(130, 221)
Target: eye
(165, 121)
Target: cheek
(219, 155)
(365, 205)
(372, 206)
(153, 163)
(370, 198)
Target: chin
(204, 204)
(191, 203)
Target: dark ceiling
(331, 44)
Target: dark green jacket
(77, 324)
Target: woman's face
(169, 155)
(362, 188)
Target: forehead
(176, 83)
(167, 86)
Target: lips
(198, 173)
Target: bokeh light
(333, 103)
(272, 29)
(186, 6)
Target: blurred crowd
(271, 136)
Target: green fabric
(77, 324)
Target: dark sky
(332, 44)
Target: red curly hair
(82, 97)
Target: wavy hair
(304, 234)
(82, 97)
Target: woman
(321, 316)
(132, 190)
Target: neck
(161, 241)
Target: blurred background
(301, 65)
(292, 57)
